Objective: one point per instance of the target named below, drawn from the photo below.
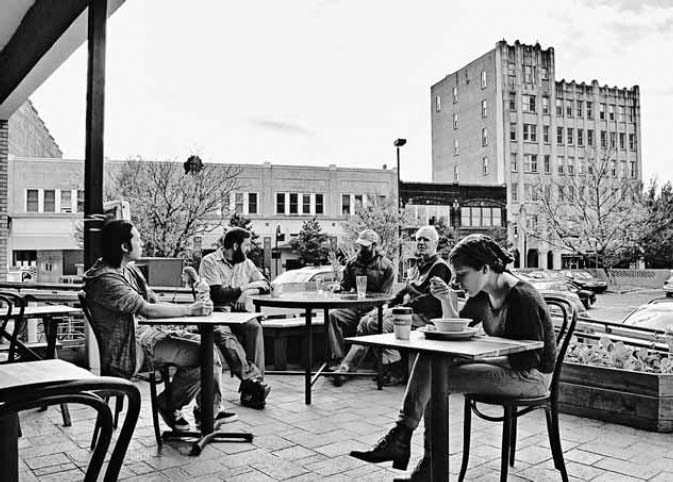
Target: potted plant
(620, 383)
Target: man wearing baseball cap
(378, 269)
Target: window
(252, 203)
(622, 140)
(544, 72)
(358, 201)
(604, 139)
(559, 136)
(571, 193)
(613, 168)
(632, 142)
(580, 165)
(483, 79)
(560, 162)
(455, 120)
(31, 201)
(590, 166)
(601, 112)
(238, 203)
(580, 108)
(294, 203)
(632, 114)
(319, 204)
(484, 108)
(613, 140)
(49, 201)
(590, 110)
(438, 103)
(571, 166)
(511, 74)
(280, 203)
(547, 164)
(529, 74)
(580, 137)
(515, 192)
(571, 136)
(66, 201)
(590, 137)
(455, 95)
(633, 168)
(545, 104)
(484, 136)
(514, 161)
(512, 101)
(545, 134)
(559, 107)
(455, 147)
(530, 132)
(528, 103)
(345, 204)
(611, 112)
(24, 258)
(561, 194)
(484, 166)
(512, 131)
(80, 201)
(620, 113)
(569, 108)
(530, 162)
(306, 204)
(624, 169)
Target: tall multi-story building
(503, 120)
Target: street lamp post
(399, 143)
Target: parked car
(657, 314)
(587, 281)
(305, 278)
(668, 286)
(558, 290)
(557, 281)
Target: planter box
(637, 399)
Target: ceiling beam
(44, 23)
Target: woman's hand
(447, 296)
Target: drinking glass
(361, 285)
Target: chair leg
(119, 406)
(506, 438)
(512, 442)
(555, 441)
(97, 427)
(467, 429)
(155, 408)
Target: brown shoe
(395, 446)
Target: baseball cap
(368, 237)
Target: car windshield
(293, 276)
(583, 274)
(657, 316)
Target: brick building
(503, 120)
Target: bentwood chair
(119, 403)
(13, 306)
(514, 407)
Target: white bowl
(451, 325)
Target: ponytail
(477, 251)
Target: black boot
(420, 474)
(395, 446)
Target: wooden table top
(326, 299)
(41, 372)
(215, 318)
(473, 348)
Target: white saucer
(448, 335)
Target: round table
(315, 300)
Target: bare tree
(593, 210)
(170, 206)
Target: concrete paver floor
(300, 443)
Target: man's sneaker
(254, 393)
(222, 417)
(175, 420)
(337, 379)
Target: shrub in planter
(619, 383)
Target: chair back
(565, 333)
(81, 296)
(13, 300)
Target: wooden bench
(280, 329)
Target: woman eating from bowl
(506, 307)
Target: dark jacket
(378, 270)
(418, 287)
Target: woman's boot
(395, 446)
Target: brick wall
(4, 154)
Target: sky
(319, 82)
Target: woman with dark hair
(505, 306)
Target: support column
(4, 232)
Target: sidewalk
(301, 443)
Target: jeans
(369, 325)
(341, 323)
(185, 355)
(495, 378)
(242, 347)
